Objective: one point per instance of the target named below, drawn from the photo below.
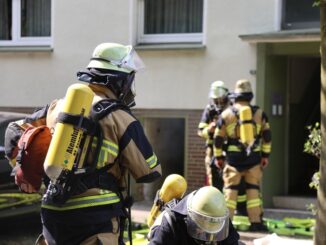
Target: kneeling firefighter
(201, 217)
(88, 206)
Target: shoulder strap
(105, 107)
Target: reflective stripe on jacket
(124, 145)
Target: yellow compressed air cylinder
(66, 139)
(246, 126)
(174, 186)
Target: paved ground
(25, 229)
(140, 212)
(20, 231)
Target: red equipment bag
(33, 146)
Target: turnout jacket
(124, 145)
(174, 232)
(228, 130)
(210, 114)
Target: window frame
(298, 24)
(17, 39)
(166, 38)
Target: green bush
(312, 146)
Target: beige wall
(173, 78)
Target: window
(299, 14)
(170, 21)
(25, 22)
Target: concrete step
(293, 202)
(278, 213)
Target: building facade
(185, 45)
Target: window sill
(26, 49)
(158, 46)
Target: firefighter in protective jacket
(96, 215)
(244, 157)
(218, 101)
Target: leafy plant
(312, 146)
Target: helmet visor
(130, 62)
(206, 228)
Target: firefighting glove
(264, 162)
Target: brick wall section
(195, 153)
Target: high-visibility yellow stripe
(231, 204)
(258, 128)
(107, 148)
(233, 148)
(113, 148)
(253, 203)
(84, 202)
(257, 148)
(152, 161)
(202, 125)
(267, 147)
(218, 152)
(241, 198)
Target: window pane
(300, 14)
(35, 18)
(5, 19)
(173, 16)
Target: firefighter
(244, 157)
(97, 215)
(218, 101)
(201, 217)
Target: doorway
(167, 136)
(304, 110)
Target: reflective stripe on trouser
(105, 238)
(252, 176)
(231, 178)
(254, 207)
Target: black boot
(258, 227)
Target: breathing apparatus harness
(81, 179)
(236, 141)
(120, 83)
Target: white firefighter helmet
(218, 90)
(114, 65)
(117, 57)
(208, 216)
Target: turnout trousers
(252, 177)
